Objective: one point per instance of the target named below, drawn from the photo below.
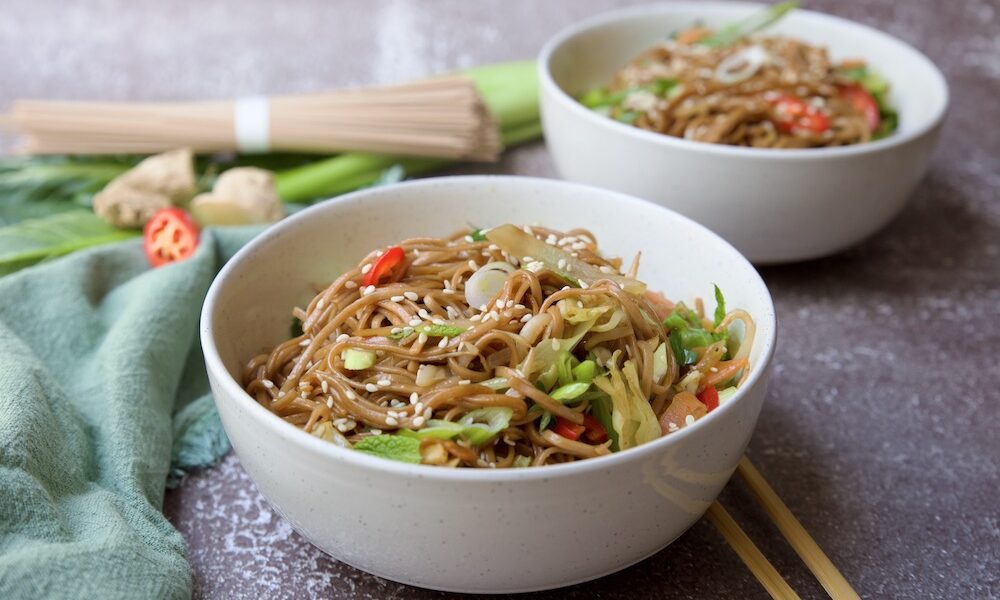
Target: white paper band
(251, 124)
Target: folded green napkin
(103, 398)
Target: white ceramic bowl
(477, 530)
(773, 205)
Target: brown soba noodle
(513, 347)
(757, 91)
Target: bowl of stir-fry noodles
(791, 133)
(489, 384)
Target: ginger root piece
(157, 182)
(241, 196)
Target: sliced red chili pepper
(568, 429)
(384, 265)
(595, 433)
(710, 398)
(169, 236)
(864, 103)
(793, 114)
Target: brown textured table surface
(881, 429)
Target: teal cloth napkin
(103, 400)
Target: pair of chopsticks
(804, 545)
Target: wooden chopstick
(804, 545)
(758, 564)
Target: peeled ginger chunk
(241, 196)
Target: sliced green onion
(570, 391)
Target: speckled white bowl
(773, 205)
(478, 530)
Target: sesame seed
(424, 314)
(350, 395)
(422, 338)
(534, 266)
(578, 246)
(443, 342)
(569, 268)
(482, 308)
(583, 285)
(437, 321)
(371, 387)
(396, 330)
(464, 382)
(528, 259)
(476, 318)
(393, 414)
(448, 291)
(366, 268)
(469, 239)
(384, 382)
(473, 265)
(418, 408)
(672, 427)
(268, 383)
(527, 318)
(340, 421)
(527, 230)
(329, 402)
(507, 314)
(350, 284)
(396, 403)
(447, 284)
(414, 397)
(325, 385)
(343, 337)
(606, 269)
(452, 313)
(555, 344)
(428, 412)
(411, 296)
(713, 369)
(562, 263)
(320, 304)
(414, 322)
(374, 431)
(281, 394)
(689, 420)
(418, 422)
(368, 290)
(391, 421)
(493, 247)
(397, 298)
(519, 306)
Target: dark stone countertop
(881, 429)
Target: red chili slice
(793, 114)
(383, 266)
(568, 429)
(169, 236)
(864, 103)
(710, 398)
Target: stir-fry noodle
(761, 91)
(510, 348)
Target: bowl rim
(232, 391)
(619, 16)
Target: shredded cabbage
(632, 417)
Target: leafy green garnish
(733, 32)
(545, 421)
(478, 236)
(393, 447)
(720, 307)
(35, 240)
(430, 329)
(687, 332)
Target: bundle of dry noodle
(441, 117)
(432, 362)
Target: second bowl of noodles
(792, 134)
